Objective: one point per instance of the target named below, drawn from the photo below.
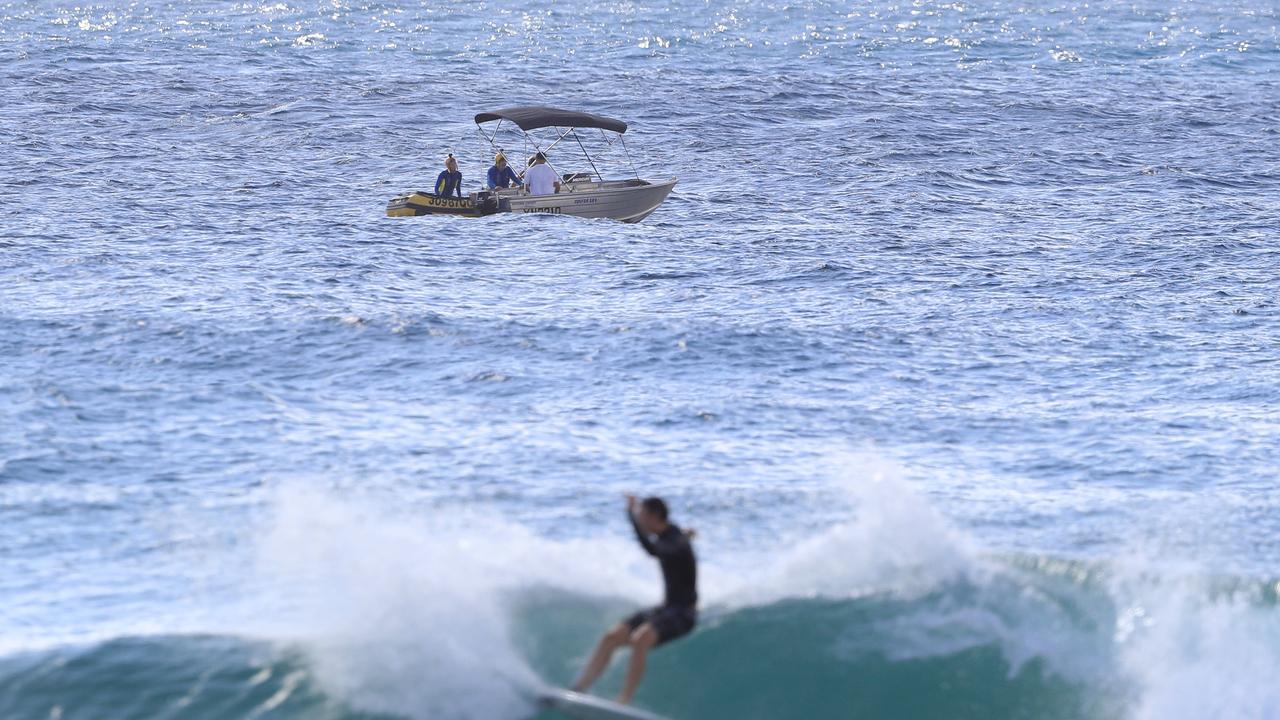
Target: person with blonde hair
(449, 182)
(501, 176)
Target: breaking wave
(892, 614)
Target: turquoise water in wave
(957, 343)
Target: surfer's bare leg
(612, 640)
(642, 640)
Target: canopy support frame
(587, 155)
(562, 133)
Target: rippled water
(1015, 261)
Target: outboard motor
(488, 203)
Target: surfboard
(587, 707)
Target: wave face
(1038, 642)
(857, 659)
(166, 677)
(1040, 638)
(793, 659)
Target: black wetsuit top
(679, 566)
(449, 183)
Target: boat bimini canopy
(566, 123)
(532, 117)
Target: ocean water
(957, 342)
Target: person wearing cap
(501, 175)
(540, 178)
(449, 182)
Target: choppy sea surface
(957, 342)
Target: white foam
(406, 614)
(1193, 652)
(896, 544)
(894, 541)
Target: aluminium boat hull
(625, 200)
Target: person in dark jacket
(449, 182)
(501, 175)
(677, 614)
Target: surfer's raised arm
(662, 543)
(633, 509)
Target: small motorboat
(583, 194)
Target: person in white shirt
(540, 178)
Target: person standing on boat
(540, 178)
(501, 176)
(449, 182)
(677, 614)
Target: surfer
(677, 614)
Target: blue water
(957, 343)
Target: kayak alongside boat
(581, 194)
